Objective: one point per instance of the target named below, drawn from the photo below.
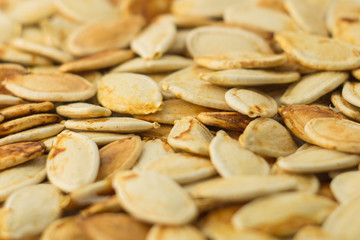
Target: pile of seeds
(180, 119)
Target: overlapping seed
(50, 87)
(113, 93)
(234, 60)
(167, 63)
(20, 221)
(268, 20)
(251, 102)
(297, 116)
(283, 214)
(315, 159)
(111, 124)
(249, 77)
(341, 222)
(223, 39)
(344, 186)
(28, 173)
(182, 167)
(239, 154)
(261, 137)
(231, 160)
(72, 154)
(190, 135)
(304, 92)
(112, 226)
(242, 188)
(119, 155)
(140, 194)
(155, 40)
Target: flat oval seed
(267, 137)
(242, 188)
(111, 124)
(346, 186)
(350, 93)
(26, 109)
(231, 160)
(119, 155)
(223, 39)
(155, 40)
(129, 93)
(312, 87)
(107, 226)
(19, 220)
(233, 60)
(82, 110)
(140, 194)
(103, 34)
(228, 120)
(198, 92)
(332, 133)
(297, 116)
(251, 102)
(167, 63)
(19, 124)
(98, 61)
(318, 52)
(34, 134)
(283, 214)
(183, 167)
(344, 106)
(315, 159)
(185, 232)
(73, 161)
(62, 87)
(249, 77)
(342, 224)
(29, 173)
(17, 153)
(190, 135)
